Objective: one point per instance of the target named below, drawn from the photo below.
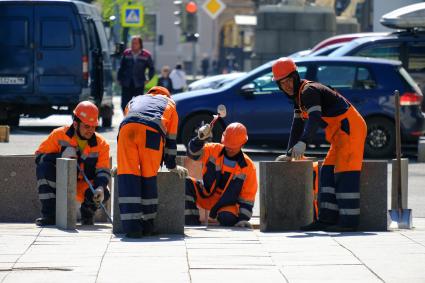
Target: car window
(266, 84)
(416, 57)
(386, 51)
(345, 77)
(14, 32)
(56, 33)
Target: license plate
(12, 80)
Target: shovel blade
(400, 219)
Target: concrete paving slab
(329, 273)
(236, 275)
(218, 254)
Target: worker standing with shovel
(316, 105)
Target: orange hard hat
(87, 112)
(235, 136)
(282, 68)
(159, 90)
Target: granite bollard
(171, 197)
(18, 189)
(66, 188)
(374, 196)
(286, 195)
(421, 150)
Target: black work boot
(340, 229)
(315, 226)
(134, 235)
(87, 213)
(45, 221)
(148, 228)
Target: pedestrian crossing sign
(132, 16)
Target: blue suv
(255, 101)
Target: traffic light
(190, 19)
(178, 12)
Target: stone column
(66, 188)
(286, 195)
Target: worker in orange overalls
(147, 136)
(79, 141)
(316, 105)
(229, 181)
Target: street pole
(194, 58)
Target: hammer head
(221, 110)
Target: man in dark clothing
(131, 74)
(164, 80)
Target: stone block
(267, 41)
(421, 150)
(404, 183)
(4, 133)
(280, 21)
(66, 189)
(374, 196)
(311, 22)
(286, 195)
(171, 197)
(344, 25)
(18, 189)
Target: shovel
(401, 218)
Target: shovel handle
(398, 146)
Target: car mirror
(248, 89)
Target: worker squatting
(147, 139)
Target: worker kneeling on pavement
(316, 105)
(229, 180)
(79, 141)
(147, 136)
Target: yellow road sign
(132, 16)
(213, 8)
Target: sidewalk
(31, 254)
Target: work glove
(298, 150)
(180, 171)
(99, 195)
(114, 171)
(283, 157)
(243, 224)
(69, 152)
(204, 132)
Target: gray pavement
(31, 254)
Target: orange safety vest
(227, 182)
(93, 160)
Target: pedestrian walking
(178, 78)
(164, 80)
(131, 74)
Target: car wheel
(190, 128)
(380, 140)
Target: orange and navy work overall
(147, 136)
(93, 160)
(228, 186)
(319, 106)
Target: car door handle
(39, 56)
